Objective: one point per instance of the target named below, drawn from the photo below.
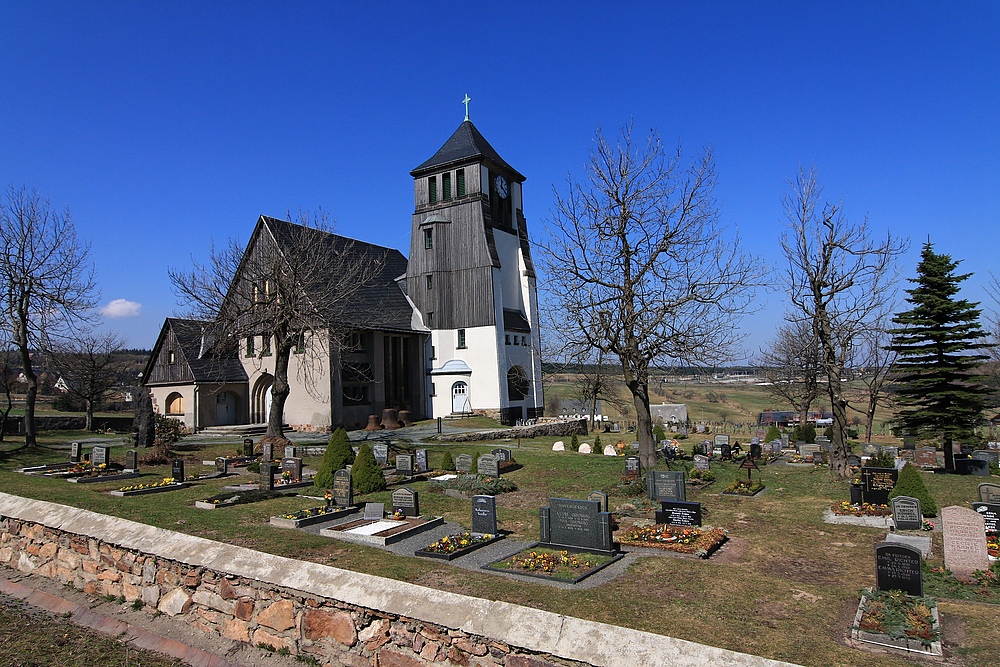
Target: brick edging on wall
(334, 612)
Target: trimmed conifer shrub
(366, 475)
(805, 433)
(447, 463)
(773, 433)
(338, 455)
(574, 443)
(475, 463)
(911, 484)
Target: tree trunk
(644, 423)
(279, 392)
(90, 416)
(30, 429)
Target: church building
(461, 339)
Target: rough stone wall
(564, 428)
(248, 611)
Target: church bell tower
(471, 277)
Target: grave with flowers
(161, 486)
(376, 529)
(484, 531)
(339, 502)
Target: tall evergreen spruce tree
(939, 343)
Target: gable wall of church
(167, 369)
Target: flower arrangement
(286, 476)
(696, 476)
(744, 487)
(452, 543)
(845, 508)
(993, 544)
(682, 539)
(398, 515)
(305, 514)
(926, 525)
(328, 497)
(545, 560)
(166, 481)
(898, 615)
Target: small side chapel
(464, 338)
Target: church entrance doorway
(460, 398)
(260, 401)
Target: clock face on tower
(501, 186)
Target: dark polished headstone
(898, 568)
(266, 477)
(678, 513)
(406, 500)
(906, 513)
(484, 515)
(877, 483)
(404, 464)
(577, 524)
(131, 460)
(343, 488)
(665, 485)
(991, 515)
(74, 452)
(422, 460)
(177, 470)
(99, 456)
(503, 455)
(600, 497)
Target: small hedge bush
(338, 455)
(447, 462)
(911, 484)
(366, 475)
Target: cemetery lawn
(785, 585)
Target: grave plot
(100, 469)
(231, 498)
(339, 503)
(748, 486)
(165, 484)
(895, 614)
(575, 542)
(695, 540)
(375, 529)
(484, 531)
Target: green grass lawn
(785, 586)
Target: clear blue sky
(163, 126)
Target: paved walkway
(88, 618)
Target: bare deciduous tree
(92, 365)
(296, 286)
(48, 280)
(840, 282)
(641, 268)
(873, 362)
(790, 366)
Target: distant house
(669, 413)
(574, 409)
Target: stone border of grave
(415, 526)
(458, 553)
(850, 519)
(326, 516)
(673, 547)
(902, 643)
(103, 478)
(154, 489)
(614, 558)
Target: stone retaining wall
(562, 428)
(336, 616)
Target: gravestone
(700, 428)
(463, 463)
(964, 542)
(683, 431)
(784, 440)
(632, 466)
(989, 493)
(777, 446)
(74, 452)
(404, 465)
(727, 452)
(268, 454)
(755, 450)
(266, 477)
(853, 461)
(293, 466)
(600, 497)
(868, 449)
(635, 446)
(585, 448)
(906, 513)
(422, 460)
(99, 456)
(898, 568)
(807, 450)
(248, 447)
(222, 465)
(991, 456)
(609, 450)
(677, 513)
(991, 516)
(975, 467)
(891, 451)
(381, 452)
(559, 446)
(405, 500)
(503, 455)
(876, 484)
(343, 488)
(575, 524)
(177, 470)
(925, 457)
(721, 440)
(665, 485)
(487, 465)
(484, 515)
(819, 456)
(131, 460)
(289, 452)
(374, 511)
(701, 462)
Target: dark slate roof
(514, 320)
(207, 366)
(465, 145)
(380, 305)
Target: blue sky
(163, 126)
